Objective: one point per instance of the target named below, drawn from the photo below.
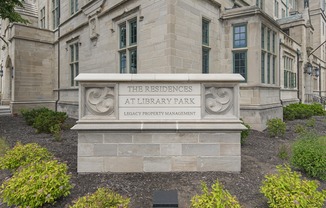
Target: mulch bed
(259, 157)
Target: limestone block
(230, 149)
(138, 149)
(157, 164)
(175, 138)
(142, 138)
(171, 149)
(123, 164)
(201, 149)
(85, 149)
(90, 164)
(184, 163)
(90, 138)
(105, 149)
(219, 138)
(219, 164)
(117, 138)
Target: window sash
(263, 67)
(205, 61)
(240, 63)
(205, 32)
(55, 13)
(133, 61)
(133, 31)
(123, 62)
(268, 68)
(240, 36)
(74, 63)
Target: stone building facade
(276, 45)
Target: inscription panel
(156, 101)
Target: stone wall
(159, 123)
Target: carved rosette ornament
(100, 101)
(218, 100)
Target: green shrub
(276, 127)
(298, 128)
(4, 147)
(287, 189)
(283, 152)
(30, 115)
(218, 197)
(22, 155)
(47, 119)
(102, 198)
(311, 122)
(245, 133)
(37, 184)
(309, 155)
(302, 111)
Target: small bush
(4, 147)
(300, 129)
(311, 122)
(276, 127)
(309, 155)
(218, 197)
(36, 184)
(287, 189)
(30, 115)
(22, 155)
(245, 133)
(47, 119)
(283, 152)
(302, 111)
(102, 198)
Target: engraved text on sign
(158, 101)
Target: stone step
(5, 110)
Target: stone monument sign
(158, 122)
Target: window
(239, 55)
(276, 9)
(240, 63)
(259, 3)
(74, 63)
(262, 67)
(205, 46)
(73, 6)
(42, 18)
(55, 13)
(289, 76)
(268, 55)
(205, 60)
(128, 46)
(240, 36)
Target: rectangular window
(205, 46)
(205, 61)
(290, 77)
(240, 63)
(73, 6)
(269, 40)
(240, 36)
(268, 68)
(74, 63)
(42, 18)
(259, 3)
(276, 8)
(205, 32)
(285, 79)
(273, 43)
(274, 70)
(262, 36)
(128, 46)
(262, 67)
(55, 13)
